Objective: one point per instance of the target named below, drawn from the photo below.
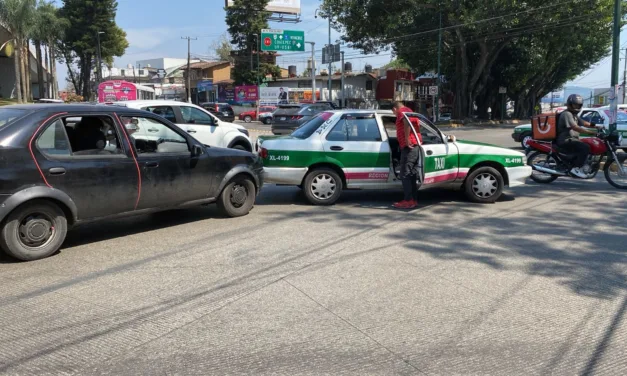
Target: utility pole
(342, 105)
(189, 65)
(258, 47)
(625, 77)
(313, 72)
(437, 96)
(615, 64)
(99, 57)
(330, 61)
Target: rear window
(287, 110)
(9, 115)
(225, 107)
(307, 129)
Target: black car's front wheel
(33, 231)
(238, 197)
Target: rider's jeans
(578, 148)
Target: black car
(62, 165)
(288, 117)
(222, 111)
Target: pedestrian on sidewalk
(410, 155)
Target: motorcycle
(549, 163)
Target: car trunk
(286, 115)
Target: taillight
(297, 117)
(263, 153)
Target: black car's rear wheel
(238, 197)
(34, 230)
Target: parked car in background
(446, 116)
(222, 111)
(263, 112)
(289, 117)
(198, 122)
(63, 165)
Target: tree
(222, 48)
(396, 64)
(478, 37)
(16, 15)
(79, 42)
(245, 19)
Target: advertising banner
(274, 95)
(302, 95)
(246, 94)
(226, 93)
(205, 85)
(278, 6)
(113, 91)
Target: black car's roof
(69, 107)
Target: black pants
(409, 172)
(578, 148)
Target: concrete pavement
(532, 285)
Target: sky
(154, 29)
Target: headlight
(244, 131)
(524, 158)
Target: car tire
(238, 197)
(323, 186)
(33, 231)
(239, 147)
(248, 119)
(524, 139)
(484, 185)
(267, 121)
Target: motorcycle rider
(569, 127)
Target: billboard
(246, 94)
(226, 93)
(285, 95)
(274, 95)
(277, 6)
(113, 91)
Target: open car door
(440, 159)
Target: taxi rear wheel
(484, 185)
(323, 186)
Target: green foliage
(396, 64)
(85, 19)
(245, 19)
(531, 46)
(222, 49)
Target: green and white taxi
(357, 149)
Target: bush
(73, 98)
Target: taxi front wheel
(484, 185)
(323, 186)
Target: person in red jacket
(410, 155)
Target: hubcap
(526, 141)
(36, 230)
(323, 186)
(484, 185)
(239, 194)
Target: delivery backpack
(544, 126)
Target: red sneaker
(405, 204)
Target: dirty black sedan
(62, 165)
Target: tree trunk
(53, 70)
(18, 73)
(461, 84)
(40, 70)
(23, 73)
(86, 76)
(29, 71)
(48, 71)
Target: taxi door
(440, 158)
(356, 145)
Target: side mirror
(196, 150)
(451, 138)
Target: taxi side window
(359, 128)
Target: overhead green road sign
(282, 40)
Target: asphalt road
(532, 285)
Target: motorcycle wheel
(540, 158)
(613, 174)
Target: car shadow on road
(375, 199)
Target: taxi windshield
(307, 129)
